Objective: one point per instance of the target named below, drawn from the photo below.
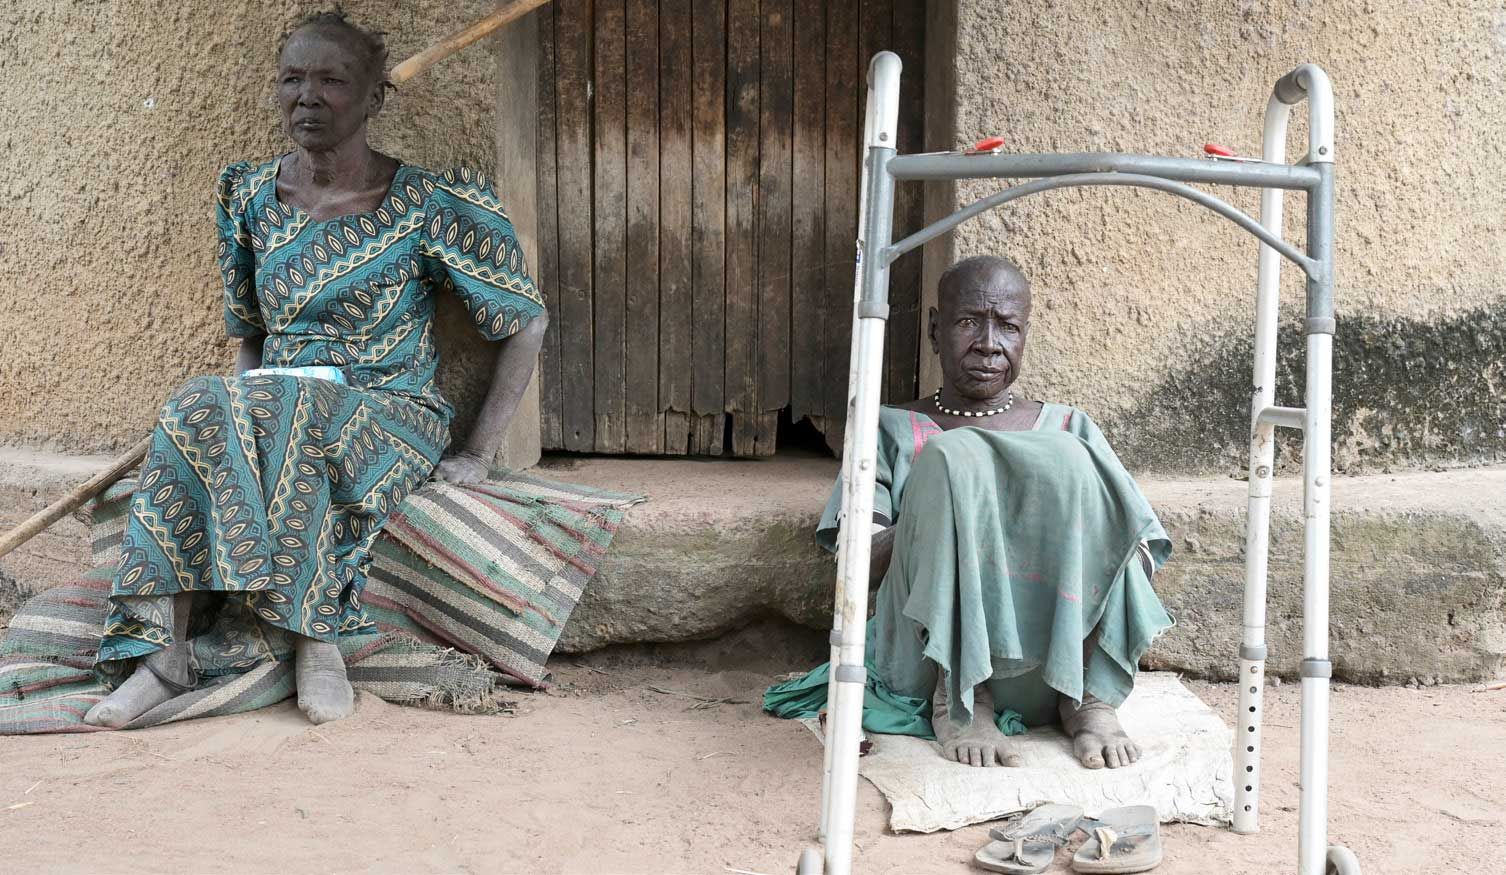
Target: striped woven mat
(469, 588)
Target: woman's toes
(1089, 751)
(1111, 757)
(106, 715)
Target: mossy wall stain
(1145, 302)
(1407, 392)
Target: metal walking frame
(882, 169)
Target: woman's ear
(377, 100)
(931, 332)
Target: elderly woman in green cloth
(261, 495)
(1013, 549)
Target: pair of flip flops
(1120, 841)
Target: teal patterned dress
(271, 489)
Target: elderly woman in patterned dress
(262, 493)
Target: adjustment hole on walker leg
(1249, 729)
(1254, 689)
(1252, 709)
(1249, 768)
(1247, 808)
(1249, 789)
(1251, 748)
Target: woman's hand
(516, 357)
(462, 467)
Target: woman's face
(324, 88)
(978, 331)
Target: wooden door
(698, 194)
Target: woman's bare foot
(976, 743)
(1097, 738)
(324, 692)
(144, 689)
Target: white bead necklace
(1008, 403)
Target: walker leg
(859, 467)
(1342, 861)
(1317, 474)
(810, 862)
(850, 439)
(1252, 647)
(1316, 669)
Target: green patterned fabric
(273, 488)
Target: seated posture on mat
(262, 493)
(1014, 550)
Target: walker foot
(1342, 861)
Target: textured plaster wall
(114, 120)
(1144, 301)
(115, 116)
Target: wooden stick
(455, 42)
(75, 499)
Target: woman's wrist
(480, 455)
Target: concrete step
(1418, 562)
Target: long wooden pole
(121, 466)
(450, 45)
(75, 499)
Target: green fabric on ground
(884, 711)
(1015, 563)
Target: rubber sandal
(1120, 841)
(1028, 845)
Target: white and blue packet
(317, 372)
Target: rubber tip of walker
(1216, 149)
(987, 146)
(811, 862)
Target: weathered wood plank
(875, 29)
(708, 211)
(844, 98)
(676, 363)
(645, 422)
(709, 434)
(609, 274)
(517, 179)
(775, 169)
(551, 388)
(808, 302)
(902, 341)
(742, 222)
(875, 24)
(573, 173)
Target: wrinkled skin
(327, 94)
(978, 330)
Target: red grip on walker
(988, 144)
(1216, 149)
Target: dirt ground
(605, 774)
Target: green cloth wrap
(1022, 559)
(884, 711)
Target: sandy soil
(606, 775)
